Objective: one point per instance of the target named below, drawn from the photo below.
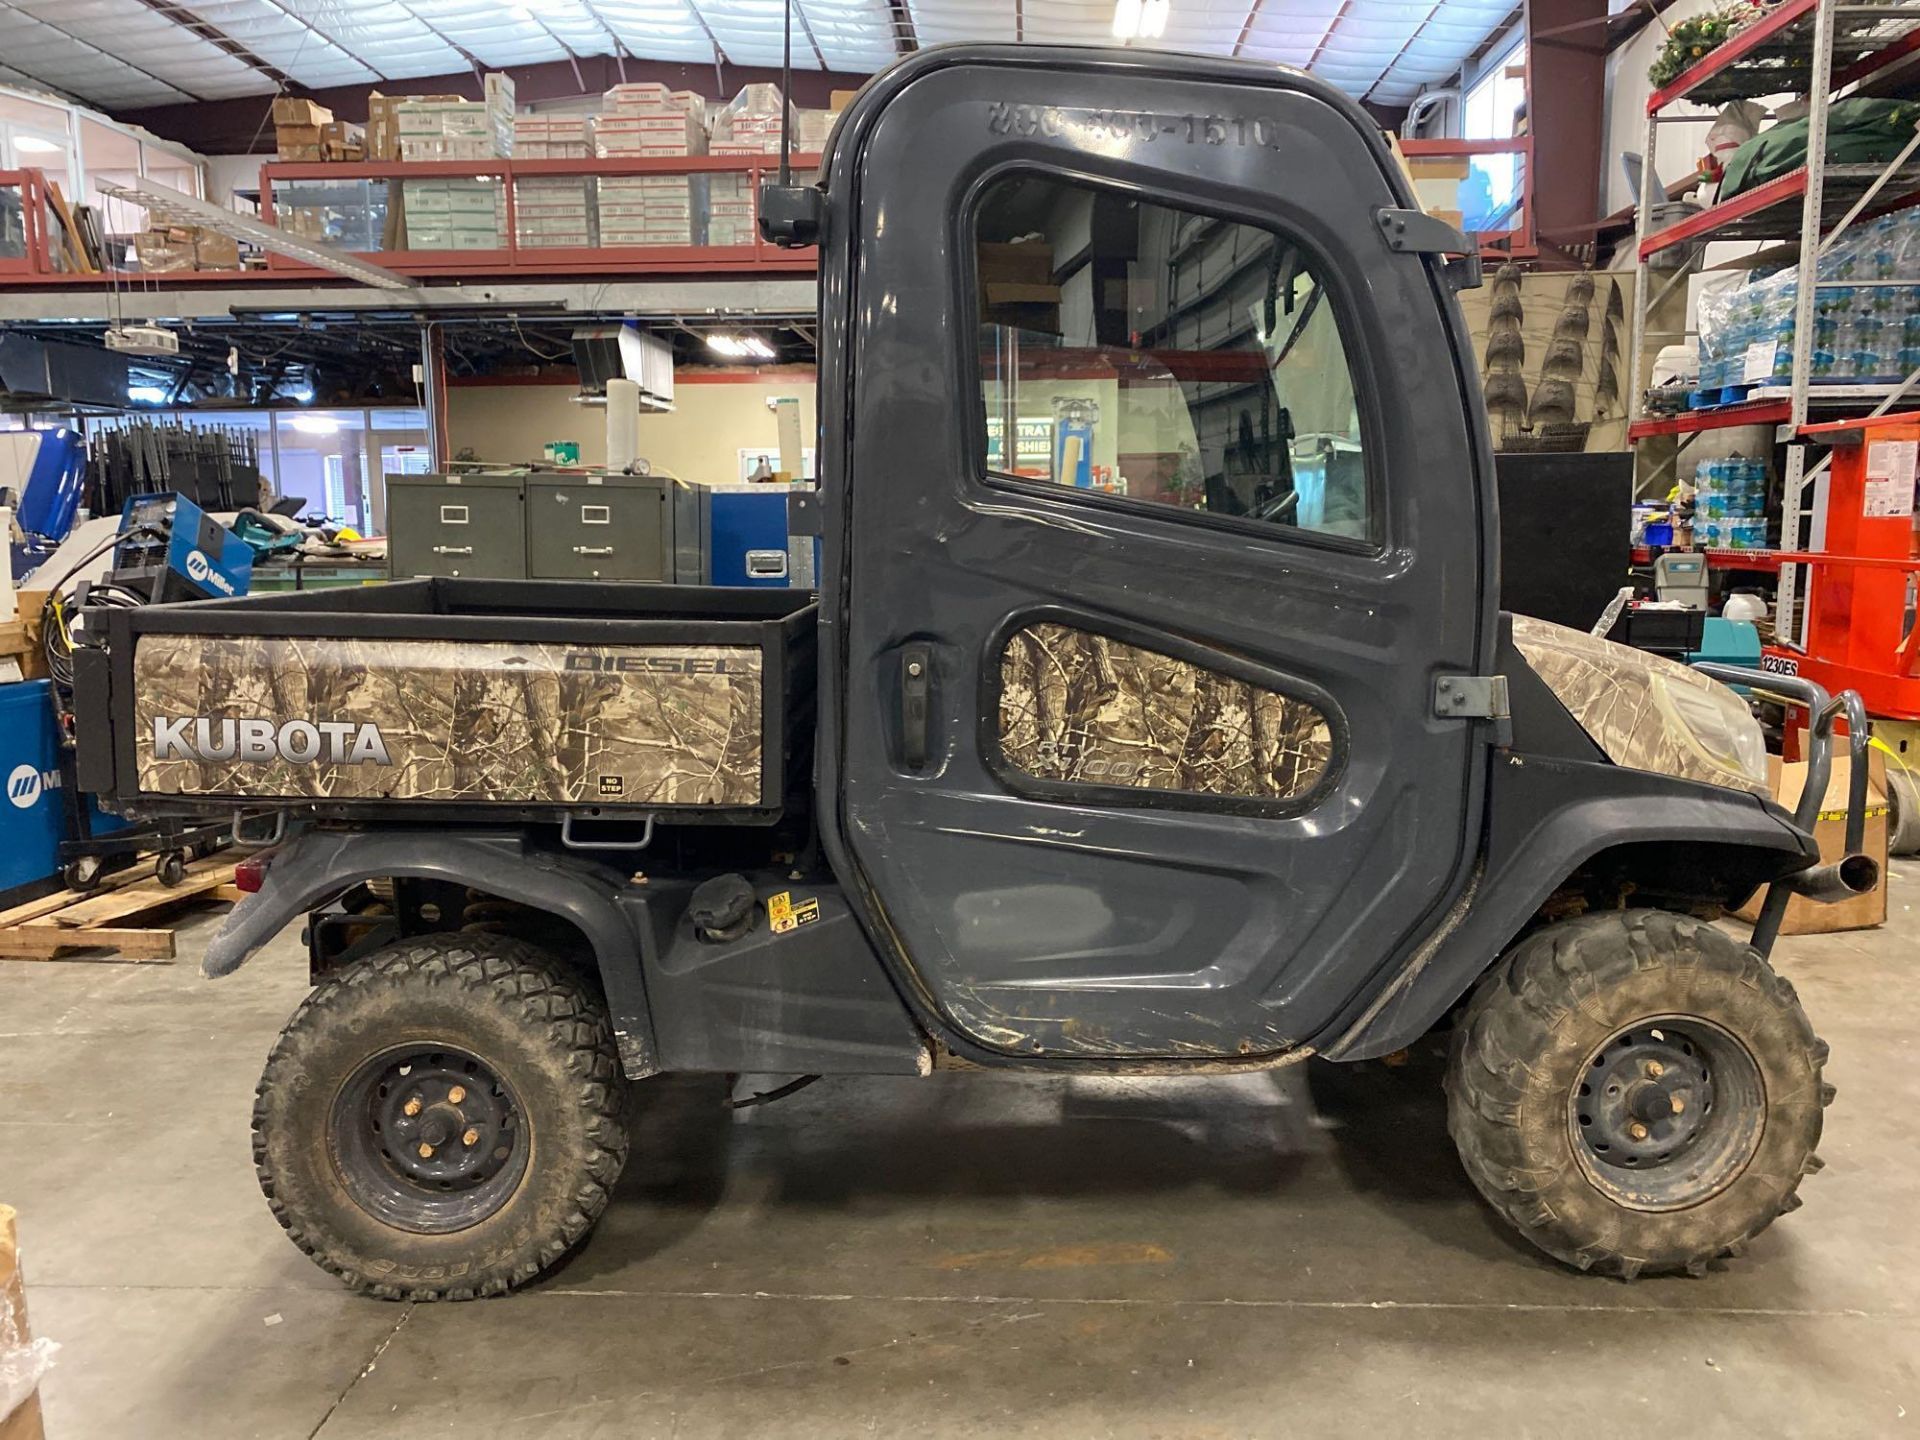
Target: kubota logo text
(299, 742)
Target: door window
(1150, 354)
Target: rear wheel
(1636, 1091)
(443, 1118)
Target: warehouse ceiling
(123, 55)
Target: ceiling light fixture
(315, 424)
(740, 347)
(34, 145)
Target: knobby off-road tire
(1563, 1074)
(442, 1119)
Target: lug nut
(472, 1137)
(1636, 1130)
(413, 1106)
(426, 1151)
(1679, 1103)
(457, 1094)
(1655, 1069)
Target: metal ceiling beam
(1246, 28)
(1405, 45)
(800, 14)
(719, 54)
(473, 60)
(218, 38)
(1332, 25)
(906, 34)
(325, 39)
(613, 37)
(85, 44)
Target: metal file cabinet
(599, 527)
(472, 525)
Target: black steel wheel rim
(429, 1138)
(1667, 1113)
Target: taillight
(250, 874)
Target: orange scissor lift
(1860, 627)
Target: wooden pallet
(108, 918)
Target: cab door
(1164, 504)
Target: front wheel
(442, 1119)
(1636, 1091)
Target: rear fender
(1546, 819)
(318, 866)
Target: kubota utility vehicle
(1155, 716)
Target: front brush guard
(1856, 872)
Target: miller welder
(170, 549)
(166, 550)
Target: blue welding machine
(170, 549)
(33, 815)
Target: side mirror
(792, 215)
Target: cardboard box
(1030, 263)
(163, 252)
(172, 249)
(298, 142)
(23, 1423)
(383, 126)
(214, 251)
(288, 110)
(342, 141)
(1005, 293)
(1805, 917)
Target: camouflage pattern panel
(374, 719)
(1088, 709)
(1621, 697)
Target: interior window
(1164, 356)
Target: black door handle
(916, 665)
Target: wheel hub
(1667, 1112)
(441, 1123)
(429, 1139)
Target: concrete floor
(1289, 1253)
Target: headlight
(1715, 723)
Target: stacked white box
(652, 97)
(454, 214)
(749, 124)
(458, 129)
(651, 209)
(553, 137)
(649, 119)
(641, 121)
(732, 205)
(553, 211)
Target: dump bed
(478, 698)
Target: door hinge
(1475, 697)
(1414, 232)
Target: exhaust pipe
(1847, 877)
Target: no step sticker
(787, 914)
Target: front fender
(1546, 818)
(319, 865)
